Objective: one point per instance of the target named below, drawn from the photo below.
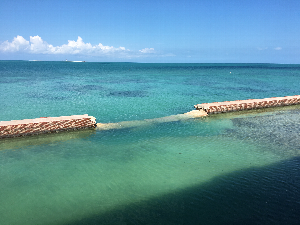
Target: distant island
(74, 61)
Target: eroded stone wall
(239, 105)
(16, 128)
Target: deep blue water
(235, 168)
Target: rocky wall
(239, 105)
(16, 128)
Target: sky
(166, 31)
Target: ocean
(232, 168)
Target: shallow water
(223, 169)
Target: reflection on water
(21, 142)
(177, 172)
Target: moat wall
(239, 105)
(17, 128)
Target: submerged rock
(279, 130)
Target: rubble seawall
(17, 128)
(239, 105)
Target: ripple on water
(103, 172)
(279, 130)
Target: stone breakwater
(239, 105)
(17, 128)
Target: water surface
(235, 168)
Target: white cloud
(18, 44)
(147, 50)
(37, 45)
(261, 49)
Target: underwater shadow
(43, 139)
(265, 195)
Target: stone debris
(138, 123)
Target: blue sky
(202, 31)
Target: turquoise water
(223, 169)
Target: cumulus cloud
(147, 50)
(18, 44)
(37, 45)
